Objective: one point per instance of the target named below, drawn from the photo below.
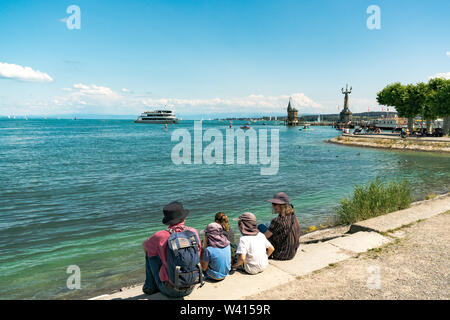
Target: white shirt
(254, 248)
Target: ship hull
(156, 121)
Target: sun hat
(280, 198)
(248, 224)
(174, 213)
(216, 238)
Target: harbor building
(292, 115)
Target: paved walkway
(415, 265)
(397, 136)
(320, 250)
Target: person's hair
(286, 209)
(222, 219)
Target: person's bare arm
(270, 250)
(239, 262)
(204, 265)
(268, 234)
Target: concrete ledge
(232, 287)
(360, 241)
(311, 257)
(390, 143)
(425, 209)
(240, 284)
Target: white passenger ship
(389, 123)
(157, 116)
(398, 123)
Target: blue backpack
(183, 262)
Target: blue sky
(214, 57)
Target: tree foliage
(439, 96)
(431, 100)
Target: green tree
(439, 100)
(392, 95)
(396, 95)
(416, 98)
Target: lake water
(89, 192)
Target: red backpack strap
(173, 231)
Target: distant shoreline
(394, 143)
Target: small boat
(245, 127)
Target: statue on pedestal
(346, 115)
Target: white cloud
(448, 53)
(441, 75)
(98, 99)
(93, 90)
(251, 104)
(16, 72)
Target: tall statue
(346, 92)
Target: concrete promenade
(394, 142)
(396, 136)
(317, 251)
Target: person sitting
(284, 230)
(157, 257)
(222, 219)
(216, 253)
(253, 249)
(357, 131)
(404, 133)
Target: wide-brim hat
(280, 198)
(248, 224)
(174, 213)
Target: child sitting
(253, 249)
(216, 256)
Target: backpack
(183, 262)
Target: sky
(218, 57)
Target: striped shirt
(285, 246)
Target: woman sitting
(284, 230)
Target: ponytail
(222, 219)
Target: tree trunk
(410, 124)
(429, 125)
(446, 126)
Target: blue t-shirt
(219, 262)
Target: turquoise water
(89, 192)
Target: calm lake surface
(89, 192)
